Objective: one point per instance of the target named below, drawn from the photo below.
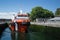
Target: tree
(39, 12)
(48, 14)
(57, 13)
(28, 14)
(36, 12)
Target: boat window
(22, 16)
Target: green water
(45, 33)
(37, 36)
(28, 36)
(36, 32)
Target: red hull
(21, 28)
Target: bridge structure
(6, 17)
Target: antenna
(21, 11)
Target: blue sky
(27, 5)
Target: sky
(27, 5)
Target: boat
(20, 23)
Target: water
(8, 35)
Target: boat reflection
(7, 34)
(20, 36)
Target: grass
(50, 33)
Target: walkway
(53, 24)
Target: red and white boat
(20, 23)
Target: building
(55, 19)
(41, 19)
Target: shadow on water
(52, 33)
(2, 28)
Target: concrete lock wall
(2, 28)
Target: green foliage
(28, 14)
(39, 12)
(57, 13)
